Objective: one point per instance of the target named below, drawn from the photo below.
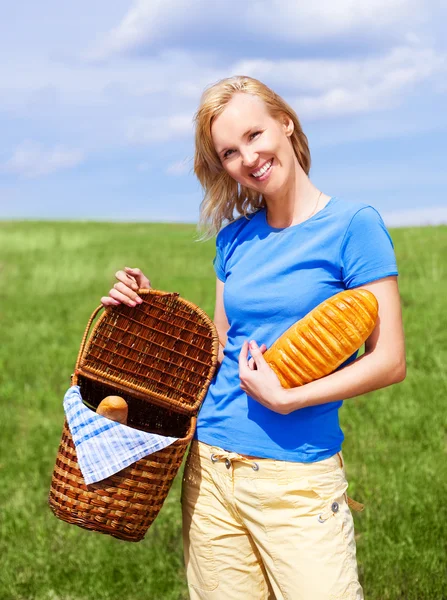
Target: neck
(295, 203)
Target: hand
(259, 381)
(125, 291)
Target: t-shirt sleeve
(367, 250)
(218, 261)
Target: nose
(249, 158)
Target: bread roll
(113, 408)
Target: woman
(265, 513)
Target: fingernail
(132, 303)
(253, 344)
(139, 300)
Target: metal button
(227, 463)
(213, 458)
(320, 518)
(335, 507)
(255, 467)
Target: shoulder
(357, 217)
(237, 229)
(366, 250)
(348, 209)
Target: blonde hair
(223, 195)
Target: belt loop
(354, 505)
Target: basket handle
(74, 377)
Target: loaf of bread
(322, 340)
(113, 408)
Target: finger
(122, 298)
(140, 277)
(243, 356)
(107, 301)
(257, 354)
(251, 362)
(124, 289)
(128, 280)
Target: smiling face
(254, 148)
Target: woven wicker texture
(124, 505)
(160, 357)
(165, 349)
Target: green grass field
(51, 278)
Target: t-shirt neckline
(297, 225)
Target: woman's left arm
(382, 364)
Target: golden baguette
(321, 341)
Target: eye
(250, 137)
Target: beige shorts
(257, 529)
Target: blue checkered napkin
(104, 447)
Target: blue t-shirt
(273, 277)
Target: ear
(287, 125)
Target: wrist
(292, 399)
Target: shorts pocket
(200, 564)
(328, 486)
(328, 491)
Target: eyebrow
(246, 133)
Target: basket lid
(165, 350)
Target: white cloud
(31, 160)
(146, 131)
(34, 85)
(332, 60)
(180, 167)
(149, 23)
(400, 64)
(317, 89)
(145, 20)
(337, 87)
(97, 106)
(376, 126)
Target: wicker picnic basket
(160, 357)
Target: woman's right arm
(220, 318)
(125, 290)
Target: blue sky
(97, 100)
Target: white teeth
(265, 168)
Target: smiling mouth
(263, 170)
